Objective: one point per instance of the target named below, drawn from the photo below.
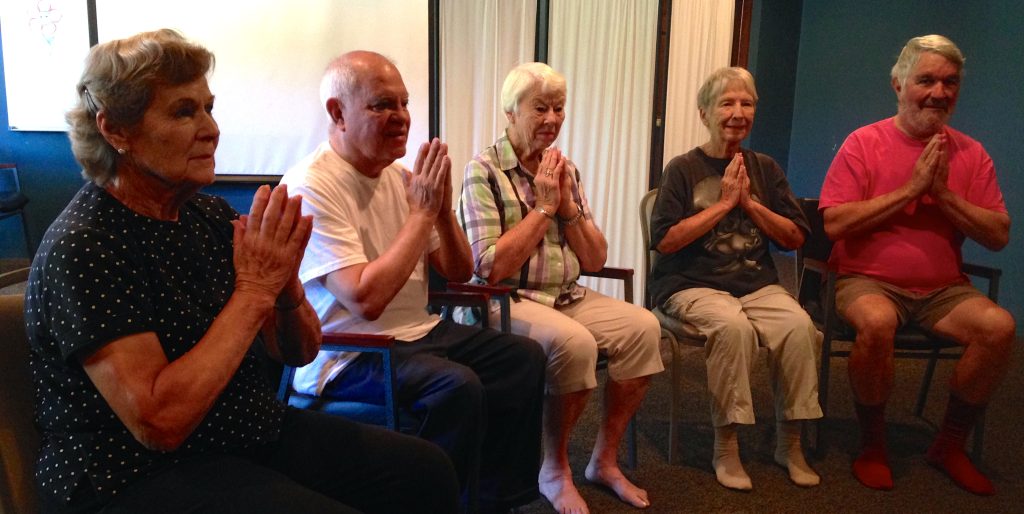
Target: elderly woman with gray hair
(150, 308)
(530, 228)
(718, 207)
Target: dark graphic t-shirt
(734, 255)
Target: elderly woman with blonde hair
(151, 309)
(530, 228)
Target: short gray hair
(119, 78)
(720, 79)
(912, 52)
(525, 77)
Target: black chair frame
(817, 281)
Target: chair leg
(823, 379)
(673, 409)
(926, 382)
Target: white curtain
(481, 40)
(701, 42)
(606, 50)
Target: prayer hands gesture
(551, 184)
(931, 171)
(269, 242)
(735, 187)
(428, 189)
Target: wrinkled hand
(924, 169)
(269, 242)
(547, 183)
(735, 183)
(428, 189)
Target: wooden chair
(503, 296)
(817, 295)
(677, 332)
(626, 276)
(19, 439)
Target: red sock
(871, 467)
(947, 452)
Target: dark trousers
(321, 463)
(478, 395)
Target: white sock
(728, 467)
(790, 455)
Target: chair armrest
(982, 271)
(623, 274)
(479, 288)
(346, 341)
(457, 299)
(444, 303)
(502, 294)
(613, 273)
(354, 342)
(14, 277)
(986, 272)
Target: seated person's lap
(924, 310)
(571, 336)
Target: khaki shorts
(924, 310)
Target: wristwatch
(573, 220)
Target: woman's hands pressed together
(269, 242)
(549, 185)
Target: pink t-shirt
(917, 249)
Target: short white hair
(720, 79)
(341, 77)
(525, 77)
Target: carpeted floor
(689, 484)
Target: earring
(121, 151)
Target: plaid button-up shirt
(497, 193)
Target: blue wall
(846, 49)
(774, 45)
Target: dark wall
(774, 48)
(50, 177)
(846, 50)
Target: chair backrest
(816, 249)
(19, 440)
(817, 246)
(9, 182)
(10, 278)
(646, 209)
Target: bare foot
(557, 487)
(612, 478)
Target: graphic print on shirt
(735, 237)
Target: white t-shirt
(355, 219)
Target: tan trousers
(572, 335)
(735, 327)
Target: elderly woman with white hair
(530, 228)
(718, 207)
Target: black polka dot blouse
(104, 272)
